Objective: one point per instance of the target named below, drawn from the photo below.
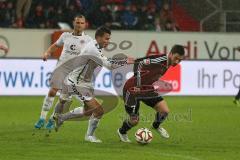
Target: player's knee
(134, 120)
(62, 101)
(166, 110)
(65, 98)
(98, 112)
(52, 92)
(87, 111)
(46, 108)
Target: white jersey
(72, 46)
(90, 58)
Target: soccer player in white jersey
(80, 82)
(72, 45)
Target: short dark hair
(178, 49)
(101, 30)
(79, 16)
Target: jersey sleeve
(147, 61)
(139, 63)
(100, 59)
(60, 41)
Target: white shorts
(83, 90)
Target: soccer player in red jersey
(138, 88)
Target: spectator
(117, 10)
(39, 17)
(101, 16)
(142, 18)
(157, 25)
(50, 15)
(7, 14)
(22, 10)
(170, 26)
(59, 16)
(151, 15)
(129, 18)
(71, 12)
(116, 14)
(165, 14)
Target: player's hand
(130, 60)
(45, 56)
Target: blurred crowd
(155, 15)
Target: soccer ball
(143, 136)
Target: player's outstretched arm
(54, 47)
(110, 63)
(122, 57)
(49, 51)
(130, 60)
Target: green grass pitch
(201, 128)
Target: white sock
(47, 104)
(78, 110)
(56, 109)
(92, 125)
(73, 114)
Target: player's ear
(170, 54)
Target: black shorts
(134, 109)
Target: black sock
(160, 117)
(125, 127)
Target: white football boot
(92, 139)
(163, 132)
(123, 137)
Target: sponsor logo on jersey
(73, 47)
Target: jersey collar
(97, 45)
(82, 34)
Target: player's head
(102, 36)
(79, 23)
(176, 55)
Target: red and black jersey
(150, 69)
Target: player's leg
(63, 104)
(59, 107)
(56, 82)
(77, 113)
(47, 104)
(162, 111)
(237, 98)
(92, 106)
(65, 101)
(132, 108)
(60, 116)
